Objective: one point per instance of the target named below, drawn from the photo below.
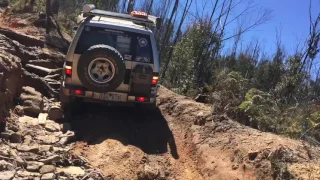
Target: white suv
(113, 58)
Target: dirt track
(129, 143)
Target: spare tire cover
(101, 68)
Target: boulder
(33, 102)
(10, 81)
(72, 171)
(47, 169)
(34, 166)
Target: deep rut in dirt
(129, 143)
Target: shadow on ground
(147, 130)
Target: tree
(166, 63)
(49, 13)
(130, 6)
(166, 37)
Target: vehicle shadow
(147, 130)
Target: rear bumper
(121, 97)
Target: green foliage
(189, 67)
(261, 110)
(229, 90)
(315, 117)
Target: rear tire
(101, 68)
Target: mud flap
(141, 79)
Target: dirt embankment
(180, 140)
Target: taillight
(141, 99)
(68, 70)
(155, 80)
(79, 92)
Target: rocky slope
(180, 140)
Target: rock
(29, 121)
(202, 98)
(46, 63)
(33, 103)
(12, 127)
(48, 139)
(27, 132)
(27, 140)
(67, 137)
(28, 175)
(26, 148)
(29, 156)
(20, 162)
(235, 166)
(18, 110)
(34, 166)
(252, 155)
(42, 118)
(72, 171)
(48, 176)
(51, 159)
(47, 169)
(200, 119)
(64, 140)
(45, 148)
(4, 152)
(7, 175)
(6, 135)
(60, 150)
(65, 178)
(65, 127)
(57, 134)
(149, 172)
(55, 113)
(5, 166)
(11, 75)
(52, 126)
(15, 138)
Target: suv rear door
(135, 48)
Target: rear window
(132, 46)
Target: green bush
(261, 110)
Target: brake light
(68, 70)
(141, 99)
(155, 80)
(79, 92)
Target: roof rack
(89, 10)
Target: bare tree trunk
(130, 6)
(165, 37)
(186, 9)
(48, 12)
(150, 7)
(55, 6)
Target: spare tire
(101, 68)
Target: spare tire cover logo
(143, 42)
